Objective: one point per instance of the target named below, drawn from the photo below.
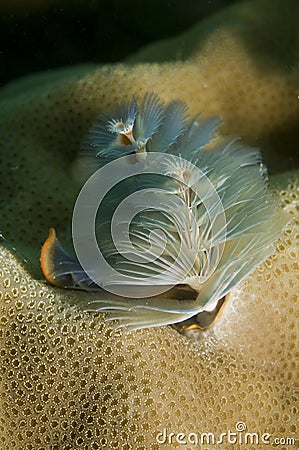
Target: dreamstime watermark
(238, 436)
(156, 199)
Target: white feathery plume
(253, 220)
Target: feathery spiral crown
(230, 178)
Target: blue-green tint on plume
(253, 219)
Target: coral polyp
(200, 218)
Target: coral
(69, 380)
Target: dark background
(40, 34)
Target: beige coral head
(68, 378)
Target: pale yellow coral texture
(68, 379)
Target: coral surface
(70, 380)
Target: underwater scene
(149, 198)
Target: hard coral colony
(210, 221)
